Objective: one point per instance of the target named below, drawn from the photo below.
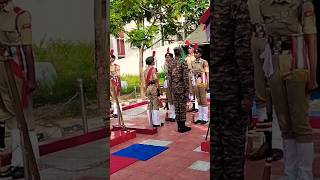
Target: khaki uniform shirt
(255, 15)
(190, 59)
(152, 92)
(200, 67)
(114, 70)
(15, 28)
(288, 17)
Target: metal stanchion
(83, 107)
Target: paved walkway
(85, 162)
(183, 160)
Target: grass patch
(72, 60)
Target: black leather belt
(258, 30)
(151, 82)
(280, 44)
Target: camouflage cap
(149, 60)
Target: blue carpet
(140, 151)
(315, 95)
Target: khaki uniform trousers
(169, 95)
(6, 104)
(290, 99)
(257, 47)
(201, 94)
(152, 95)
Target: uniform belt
(258, 30)
(198, 74)
(294, 45)
(281, 45)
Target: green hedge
(73, 60)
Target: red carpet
(117, 163)
(118, 137)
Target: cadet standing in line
(232, 87)
(291, 56)
(152, 86)
(16, 44)
(258, 43)
(200, 70)
(172, 115)
(116, 83)
(191, 58)
(178, 72)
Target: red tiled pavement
(173, 163)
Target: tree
(123, 12)
(101, 54)
(166, 13)
(142, 38)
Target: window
(121, 46)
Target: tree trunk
(142, 83)
(102, 62)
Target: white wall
(61, 19)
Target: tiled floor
(184, 159)
(179, 162)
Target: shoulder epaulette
(18, 10)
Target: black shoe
(168, 119)
(18, 173)
(260, 154)
(162, 124)
(277, 154)
(183, 127)
(204, 122)
(115, 115)
(2, 136)
(173, 120)
(7, 173)
(156, 126)
(197, 122)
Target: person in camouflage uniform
(178, 71)
(232, 87)
(151, 77)
(168, 89)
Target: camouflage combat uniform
(180, 85)
(231, 81)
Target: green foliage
(71, 61)
(167, 12)
(193, 10)
(143, 36)
(133, 81)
